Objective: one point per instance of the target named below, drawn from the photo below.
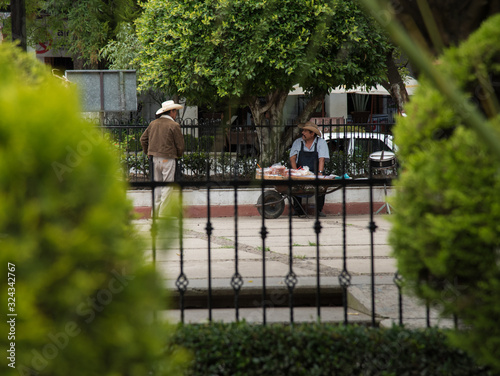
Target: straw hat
(167, 106)
(310, 126)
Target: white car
(359, 142)
(357, 149)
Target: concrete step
(274, 315)
(251, 297)
(277, 300)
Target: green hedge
(83, 293)
(220, 165)
(446, 232)
(320, 349)
(198, 144)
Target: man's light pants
(164, 170)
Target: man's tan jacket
(163, 138)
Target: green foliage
(122, 51)
(84, 294)
(28, 70)
(135, 164)
(127, 144)
(241, 167)
(252, 53)
(249, 48)
(341, 163)
(197, 144)
(320, 349)
(81, 27)
(197, 164)
(446, 233)
(220, 165)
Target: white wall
(249, 196)
(290, 109)
(336, 105)
(150, 106)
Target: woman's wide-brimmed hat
(167, 106)
(310, 126)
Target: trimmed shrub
(83, 294)
(221, 166)
(446, 233)
(320, 349)
(196, 163)
(198, 144)
(240, 167)
(341, 163)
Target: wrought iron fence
(220, 157)
(224, 153)
(207, 298)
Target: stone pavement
(301, 239)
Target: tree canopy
(81, 27)
(245, 49)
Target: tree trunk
(313, 103)
(268, 117)
(395, 86)
(274, 136)
(291, 133)
(18, 19)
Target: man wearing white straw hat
(163, 142)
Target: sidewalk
(301, 239)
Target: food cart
(271, 203)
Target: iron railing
(224, 153)
(289, 294)
(218, 157)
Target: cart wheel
(274, 204)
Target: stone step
(274, 315)
(251, 297)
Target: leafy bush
(198, 144)
(341, 163)
(83, 294)
(206, 143)
(135, 164)
(320, 349)
(446, 233)
(240, 167)
(223, 166)
(190, 143)
(196, 164)
(133, 161)
(127, 139)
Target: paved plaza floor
(289, 246)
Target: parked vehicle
(359, 142)
(350, 151)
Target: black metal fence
(188, 297)
(224, 153)
(209, 142)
